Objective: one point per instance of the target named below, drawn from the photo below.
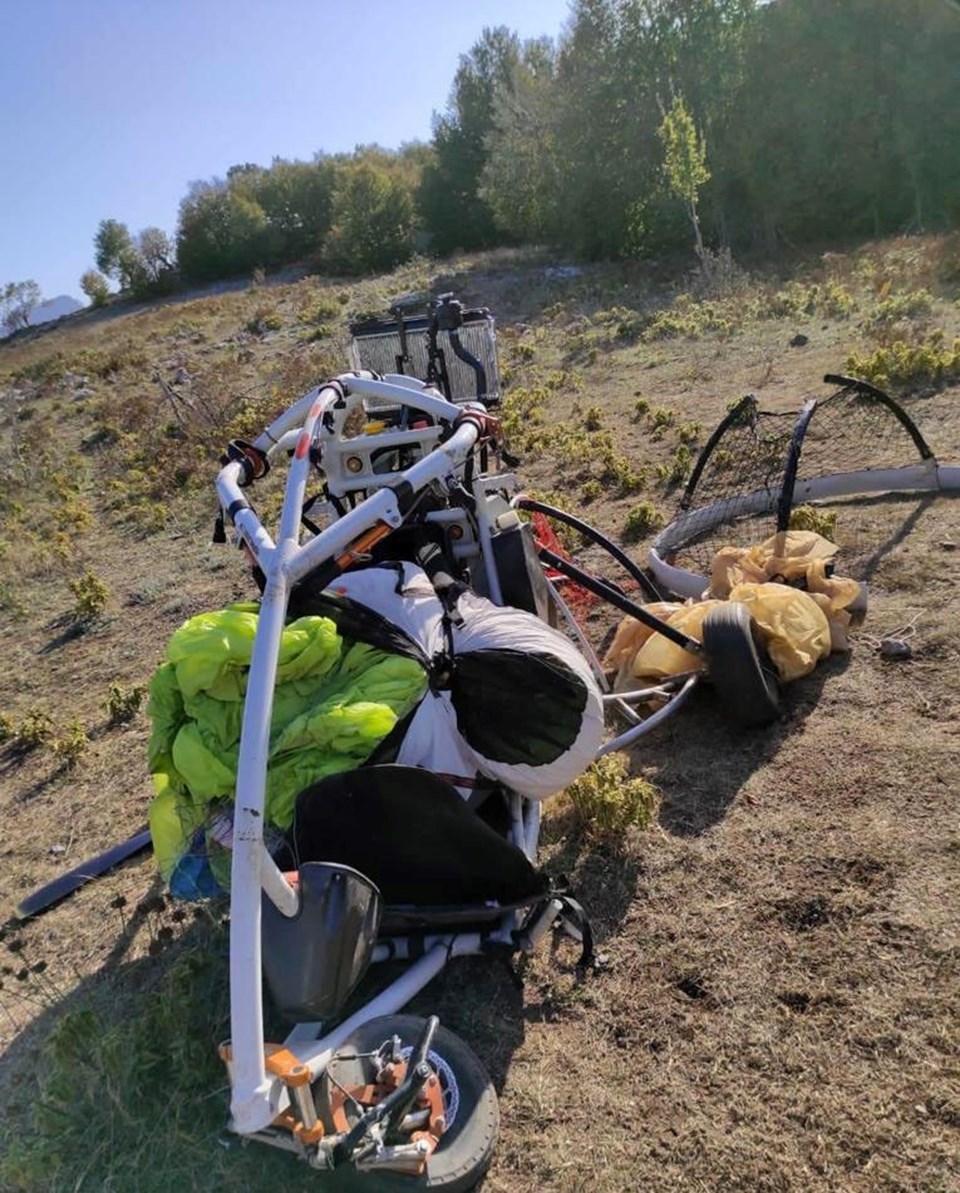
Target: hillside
(54, 308)
(777, 1010)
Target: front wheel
(469, 1099)
(739, 667)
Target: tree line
(646, 125)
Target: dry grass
(778, 1005)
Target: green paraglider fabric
(333, 704)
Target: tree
(373, 215)
(453, 212)
(156, 251)
(685, 161)
(519, 181)
(96, 287)
(111, 244)
(17, 301)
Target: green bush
(71, 746)
(36, 730)
(895, 307)
(607, 802)
(90, 597)
(593, 418)
(642, 520)
(929, 362)
(676, 470)
(808, 517)
(96, 287)
(123, 704)
(264, 319)
(659, 419)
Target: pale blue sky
(110, 107)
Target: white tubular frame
(257, 1098)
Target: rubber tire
(738, 665)
(466, 1150)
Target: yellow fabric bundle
(794, 627)
(791, 556)
(802, 613)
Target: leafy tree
(684, 161)
(17, 301)
(221, 231)
(452, 209)
(156, 252)
(519, 181)
(96, 287)
(111, 244)
(373, 215)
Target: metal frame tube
(255, 1096)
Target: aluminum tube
(531, 828)
(389, 1001)
(403, 395)
(245, 520)
(381, 506)
(253, 1097)
(630, 736)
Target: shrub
(264, 319)
(607, 802)
(71, 747)
(689, 433)
(689, 320)
(619, 472)
(808, 517)
(7, 729)
(902, 306)
(593, 418)
(90, 597)
(640, 408)
(319, 311)
(828, 299)
(929, 362)
(676, 470)
(659, 419)
(122, 705)
(641, 521)
(36, 729)
(96, 287)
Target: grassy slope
(776, 1013)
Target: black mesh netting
(743, 472)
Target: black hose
(607, 592)
(588, 532)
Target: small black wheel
(738, 665)
(465, 1149)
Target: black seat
(411, 834)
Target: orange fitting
(308, 1135)
(283, 1064)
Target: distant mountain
(54, 308)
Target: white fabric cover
(433, 739)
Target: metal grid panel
(378, 350)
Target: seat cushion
(413, 836)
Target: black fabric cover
(517, 707)
(413, 836)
